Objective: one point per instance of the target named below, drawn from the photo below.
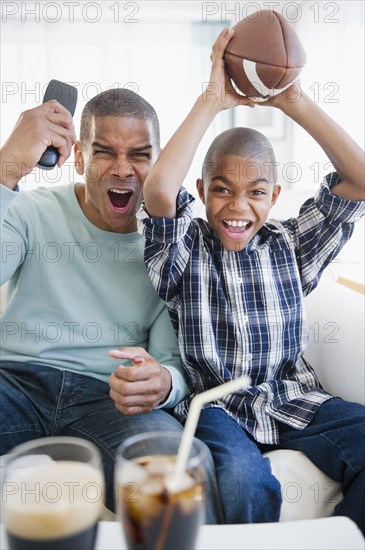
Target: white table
(335, 533)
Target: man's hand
(36, 129)
(138, 388)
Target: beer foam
(29, 460)
(52, 499)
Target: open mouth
(236, 226)
(119, 198)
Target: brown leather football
(265, 55)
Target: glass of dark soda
(155, 512)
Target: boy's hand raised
(220, 89)
(287, 100)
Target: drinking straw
(192, 420)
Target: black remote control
(67, 96)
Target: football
(264, 56)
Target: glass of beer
(52, 494)
(156, 512)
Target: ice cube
(177, 484)
(131, 473)
(146, 503)
(159, 465)
(152, 486)
(188, 501)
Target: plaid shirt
(242, 312)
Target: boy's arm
(345, 154)
(167, 175)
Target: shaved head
(239, 142)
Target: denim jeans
(249, 492)
(38, 401)
(334, 441)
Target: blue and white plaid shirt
(242, 312)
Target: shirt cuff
(168, 230)
(178, 391)
(335, 207)
(6, 197)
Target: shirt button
(244, 320)
(239, 280)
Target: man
(78, 286)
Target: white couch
(336, 351)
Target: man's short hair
(240, 142)
(120, 102)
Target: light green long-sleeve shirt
(76, 291)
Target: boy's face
(238, 194)
(115, 162)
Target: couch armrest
(336, 317)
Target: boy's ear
(200, 188)
(275, 194)
(79, 159)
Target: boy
(234, 288)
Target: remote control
(67, 96)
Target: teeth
(120, 191)
(236, 223)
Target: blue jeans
(334, 441)
(38, 401)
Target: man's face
(115, 162)
(238, 194)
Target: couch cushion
(307, 492)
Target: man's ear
(275, 194)
(200, 188)
(79, 159)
